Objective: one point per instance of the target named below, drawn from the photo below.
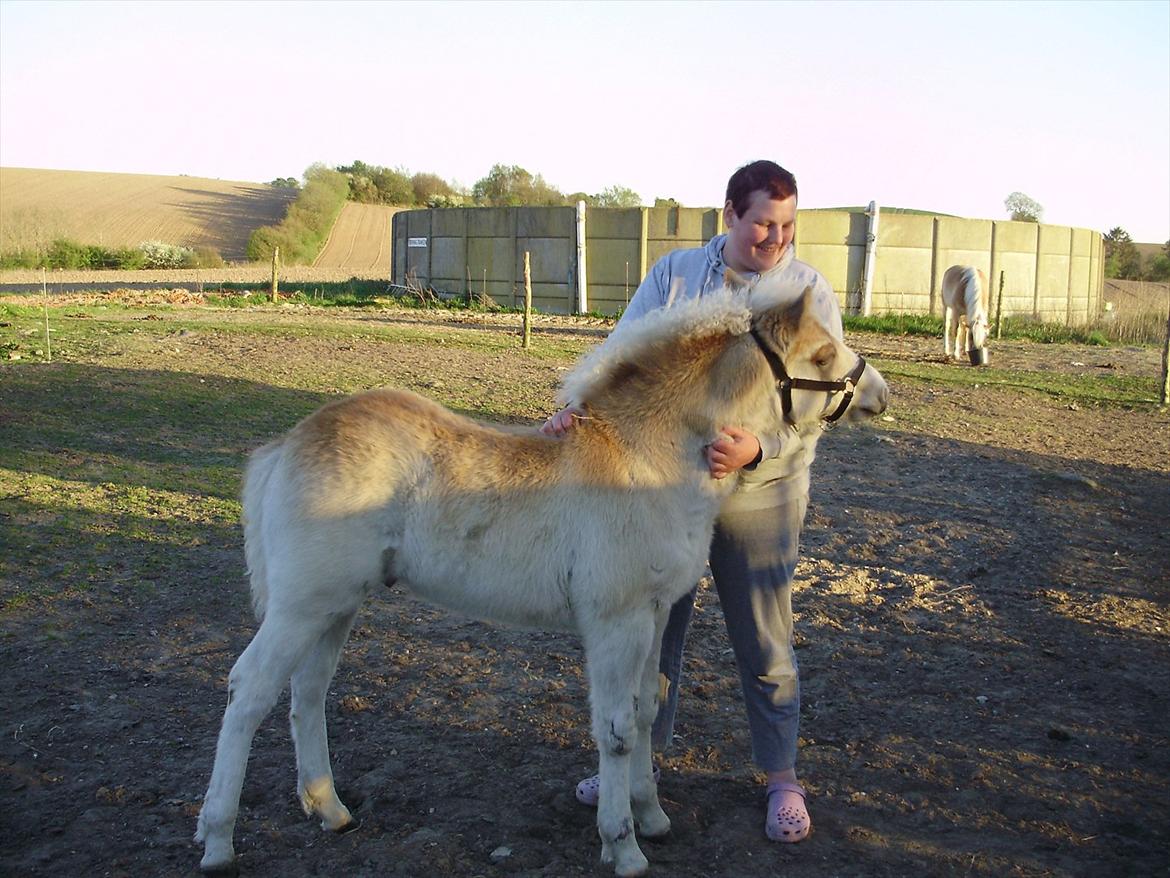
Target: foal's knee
(621, 732)
(247, 704)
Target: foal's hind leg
(310, 683)
(649, 818)
(254, 685)
(617, 651)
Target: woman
(756, 540)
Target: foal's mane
(972, 291)
(723, 312)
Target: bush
(64, 253)
(203, 257)
(159, 255)
(21, 259)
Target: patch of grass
(895, 324)
(1122, 390)
(1017, 328)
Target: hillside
(360, 240)
(122, 210)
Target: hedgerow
(305, 228)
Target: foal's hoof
(224, 870)
(347, 828)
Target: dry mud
(982, 632)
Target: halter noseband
(785, 383)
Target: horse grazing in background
(598, 533)
(964, 294)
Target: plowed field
(123, 210)
(360, 240)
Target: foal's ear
(795, 313)
(784, 321)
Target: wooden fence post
(48, 344)
(999, 308)
(275, 270)
(527, 302)
(1164, 397)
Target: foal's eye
(824, 357)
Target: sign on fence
(416, 242)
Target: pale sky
(941, 106)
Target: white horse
(598, 533)
(964, 294)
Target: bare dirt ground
(983, 634)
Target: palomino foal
(598, 533)
(964, 294)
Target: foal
(964, 293)
(598, 534)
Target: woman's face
(757, 240)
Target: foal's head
(818, 377)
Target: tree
(1122, 259)
(617, 196)
(1158, 266)
(394, 186)
(504, 186)
(512, 186)
(1022, 208)
(372, 184)
(430, 189)
(666, 202)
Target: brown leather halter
(785, 383)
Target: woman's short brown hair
(761, 175)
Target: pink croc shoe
(589, 790)
(788, 819)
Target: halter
(786, 383)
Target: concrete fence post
(934, 273)
(643, 243)
(527, 334)
(872, 212)
(582, 285)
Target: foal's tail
(256, 479)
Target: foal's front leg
(617, 650)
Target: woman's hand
(732, 451)
(562, 422)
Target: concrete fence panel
(834, 241)
(959, 242)
(1014, 253)
(1053, 256)
(904, 261)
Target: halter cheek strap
(785, 383)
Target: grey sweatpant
(753, 559)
